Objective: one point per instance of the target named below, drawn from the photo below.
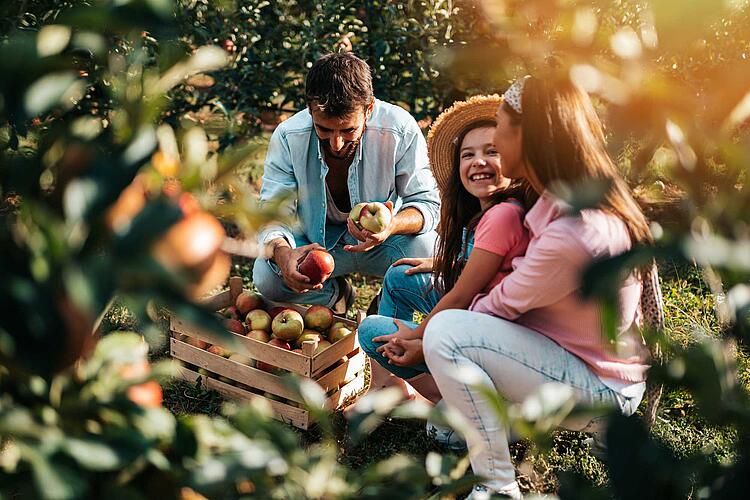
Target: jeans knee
(440, 333)
(268, 283)
(371, 327)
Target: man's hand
(288, 260)
(367, 238)
(419, 264)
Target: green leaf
(93, 454)
(51, 90)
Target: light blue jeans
(268, 281)
(402, 295)
(515, 361)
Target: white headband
(513, 95)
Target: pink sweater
(542, 292)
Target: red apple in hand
(288, 325)
(317, 265)
(375, 217)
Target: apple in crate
(196, 342)
(231, 313)
(275, 311)
(317, 265)
(247, 301)
(308, 335)
(288, 325)
(322, 346)
(219, 351)
(339, 333)
(374, 216)
(260, 365)
(318, 318)
(260, 335)
(258, 319)
(234, 325)
(335, 326)
(242, 359)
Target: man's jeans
(514, 361)
(403, 294)
(267, 275)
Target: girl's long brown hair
(459, 209)
(563, 140)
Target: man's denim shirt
(390, 164)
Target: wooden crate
(342, 379)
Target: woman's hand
(411, 352)
(419, 264)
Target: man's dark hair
(339, 84)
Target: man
(347, 147)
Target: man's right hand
(288, 260)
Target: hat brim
(443, 135)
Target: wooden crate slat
(218, 301)
(351, 368)
(302, 310)
(334, 353)
(284, 412)
(256, 349)
(288, 414)
(349, 390)
(232, 370)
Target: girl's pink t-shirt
(501, 231)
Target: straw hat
(443, 135)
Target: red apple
(288, 325)
(195, 342)
(219, 351)
(275, 311)
(375, 217)
(147, 394)
(234, 325)
(280, 343)
(260, 335)
(317, 265)
(231, 313)
(258, 319)
(247, 301)
(318, 318)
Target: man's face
(340, 132)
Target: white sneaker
(445, 435)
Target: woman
(535, 327)
(480, 233)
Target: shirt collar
(546, 209)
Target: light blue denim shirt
(390, 164)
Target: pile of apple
(280, 327)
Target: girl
(535, 327)
(480, 233)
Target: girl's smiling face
(479, 165)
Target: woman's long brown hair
(459, 209)
(563, 140)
